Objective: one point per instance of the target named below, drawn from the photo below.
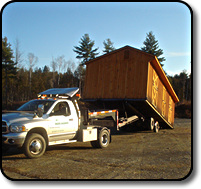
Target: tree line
(22, 84)
(182, 85)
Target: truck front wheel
(34, 146)
(103, 139)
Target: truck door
(61, 126)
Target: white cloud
(172, 73)
(173, 54)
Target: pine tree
(9, 69)
(7, 55)
(46, 69)
(85, 50)
(108, 46)
(151, 46)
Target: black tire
(34, 146)
(149, 124)
(103, 139)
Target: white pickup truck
(54, 118)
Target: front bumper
(14, 139)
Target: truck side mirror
(40, 110)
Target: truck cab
(53, 118)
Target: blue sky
(53, 29)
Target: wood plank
(116, 84)
(144, 77)
(160, 96)
(93, 80)
(88, 88)
(167, 105)
(107, 77)
(133, 76)
(99, 82)
(126, 85)
(130, 81)
(150, 82)
(112, 79)
(121, 81)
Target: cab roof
(61, 91)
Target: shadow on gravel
(12, 152)
(16, 153)
(64, 147)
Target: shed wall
(128, 73)
(117, 76)
(159, 97)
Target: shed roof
(154, 62)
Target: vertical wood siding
(120, 75)
(129, 74)
(158, 96)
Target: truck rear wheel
(156, 127)
(149, 124)
(103, 139)
(34, 146)
(152, 124)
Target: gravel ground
(131, 155)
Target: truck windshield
(33, 105)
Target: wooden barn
(132, 75)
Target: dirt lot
(133, 155)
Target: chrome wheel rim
(104, 139)
(152, 124)
(35, 146)
(157, 127)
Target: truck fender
(41, 131)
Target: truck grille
(4, 127)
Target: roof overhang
(157, 66)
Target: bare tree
(60, 60)
(32, 60)
(71, 65)
(65, 66)
(54, 67)
(18, 53)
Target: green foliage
(85, 50)
(151, 46)
(108, 46)
(8, 65)
(18, 79)
(9, 70)
(46, 69)
(182, 85)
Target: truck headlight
(17, 128)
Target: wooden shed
(135, 76)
